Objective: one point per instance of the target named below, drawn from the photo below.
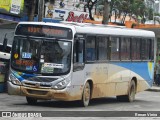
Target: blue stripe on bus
(143, 69)
(20, 75)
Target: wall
(7, 29)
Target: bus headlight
(61, 85)
(14, 80)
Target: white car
(5, 55)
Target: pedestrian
(157, 80)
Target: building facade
(67, 10)
(11, 12)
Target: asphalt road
(145, 101)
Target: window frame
(113, 36)
(84, 42)
(133, 38)
(122, 38)
(91, 61)
(105, 37)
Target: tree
(105, 12)
(31, 5)
(89, 5)
(136, 8)
(149, 13)
(114, 7)
(103, 5)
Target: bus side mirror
(5, 44)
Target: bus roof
(98, 29)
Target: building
(66, 10)
(11, 12)
(155, 6)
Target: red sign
(25, 62)
(73, 18)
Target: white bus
(78, 61)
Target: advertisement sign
(11, 7)
(66, 15)
(15, 6)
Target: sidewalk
(154, 88)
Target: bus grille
(37, 92)
(42, 84)
(41, 79)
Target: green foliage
(77, 5)
(136, 8)
(150, 14)
(156, 14)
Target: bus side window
(135, 54)
(145, 49)
(152, 49)
(91, 48)
(102, 48)
(114, 48)
(78, 55)
(78, 51)
(125, 48)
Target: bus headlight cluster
(61, 85)
(14, 80)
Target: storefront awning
(6, 19)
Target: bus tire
(131, 93)
(86, 95)
(31, 101)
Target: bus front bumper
(66, 94)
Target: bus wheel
(131, 93)
(31, 101)
(86, 95)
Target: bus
(80, 61)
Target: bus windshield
(45, 56)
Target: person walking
(157, 80)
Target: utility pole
(40, 10)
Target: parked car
(4, 66)
(5, 54)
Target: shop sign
(66, 15)
(11, 7)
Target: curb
(153, 89)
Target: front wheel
(31, 101)
(86, 95)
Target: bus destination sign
(44, 31)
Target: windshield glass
(46, 56)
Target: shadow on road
(76, 104)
